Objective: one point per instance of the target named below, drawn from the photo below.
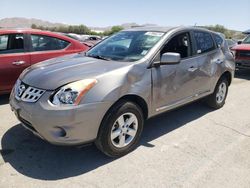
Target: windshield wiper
(99, 57)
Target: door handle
(18, 62)
(192, 69)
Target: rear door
(13, 59)
(207, 56)
(46, 47)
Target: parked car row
(89, 40)
(22, 48)
(106, 94)
(242, 54)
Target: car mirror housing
(170, 58)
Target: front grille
(243, 54)
(27, 93)
(242, 65)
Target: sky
(230, 13)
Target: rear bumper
(60, 126)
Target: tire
(114, 137)
(217, 99)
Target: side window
(12, 43)
(179, 44)
(46, 43)
(204, 42)
(218, 40)
(4, 42)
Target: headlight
(72, 94)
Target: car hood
(54, 73)
(242, 47)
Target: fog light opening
(59, 132)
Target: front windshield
(246, 40)
(126, 46)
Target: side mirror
(170, 58)
(239, 42)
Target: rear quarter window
(46, 43)
(204, 42)
(218, 40)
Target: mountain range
(18, 22)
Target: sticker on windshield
(155, 34)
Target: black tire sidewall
(104, 137)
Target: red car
(242, 54)
(22, 48)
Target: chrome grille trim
(32, 94)
(26, 93)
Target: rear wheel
(218, 98)
(121, 129)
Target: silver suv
(105, 95)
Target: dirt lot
(190, 147)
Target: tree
(34, 26)
(113, 30)
(78, 29)
(221, 29)
(84, 29)
(217, 28)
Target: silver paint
(161, 87)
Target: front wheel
(121, 129)
(218, 98)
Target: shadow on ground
(242, 74)
(37, 159)
(4, 99)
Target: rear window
(12, 43)
(204, 42)
(46, 43)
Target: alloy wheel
(221, 94)
(124, 130)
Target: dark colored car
(87, 40)
(22, 48)
(242, 54)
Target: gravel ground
(192, 146)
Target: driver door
(175, 84)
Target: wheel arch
(228, 76)
(138, 101)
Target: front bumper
(242, 64)
(74, 125)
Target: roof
(154, 28)
(163, 29)
(34, 31)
